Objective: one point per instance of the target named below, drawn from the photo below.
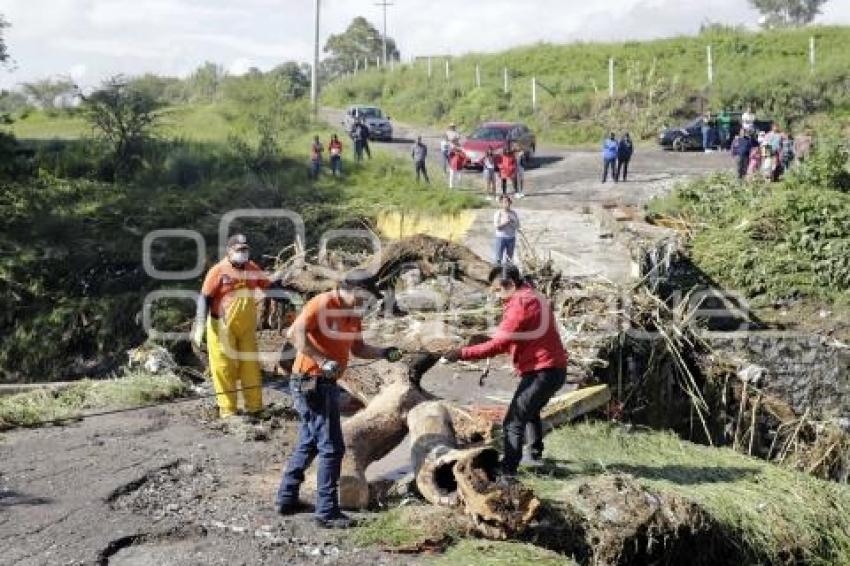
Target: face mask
(239, 257)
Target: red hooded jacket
(528, 331)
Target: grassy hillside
(657, 82)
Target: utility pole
(534, 93)
(506, 79)
(710, 64)
(812, 53)
(384, 4)
(314, 72)
(477, 75)
(611, 77)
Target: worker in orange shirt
(325, 335)
(227, 314)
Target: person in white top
(488, 165)
(453, 135)
(506, 222)
(748, 120)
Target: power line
(384, 4)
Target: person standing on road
(707, 132)
(741, 147)
(625, 150)
(335, 152)
(506, 223)
(488, 168)
(529, 333)
(457, 161)
(452, 135)
(325, 335)
(519, 154)
(316, 158)
(748, 120)
(227, 316)
(445, 150)
(724, 128)
(507, 170)
(357, 140)
(364, 137)
(610, 149)
(419, 153)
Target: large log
(375, 431)
(451, 476)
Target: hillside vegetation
(657, 83)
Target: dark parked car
(495, 136)
(689, 137)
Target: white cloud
(108, 37)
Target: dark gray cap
(237, 240)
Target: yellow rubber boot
(223, 367)
(242, 323)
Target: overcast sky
(92, 39)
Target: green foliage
(499, 553)
(361, 40)
(771, 513)
(658, 83)
(773, 240)
(32, 408)
(788, 12)
(204, 83)
(125, 118)
(44, 93)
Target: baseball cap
(360, 279)
(237, 241)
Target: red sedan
(496, 135)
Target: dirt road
(567, 208)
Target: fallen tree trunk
(375, 431)
(446, 475)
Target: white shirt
(748, 120)
(508, 231)
(453, 136)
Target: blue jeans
(315, 168)
(612, 165)
(336, 164)
(319, 433)
(706, 137)
(504, 246)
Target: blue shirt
(609, 149)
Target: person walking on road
(527, 332)
(507, 170)
(610, 149)
(625, 150)
(316, 158)
(326, 333)
(506, 222)
(335, 152)
(227, 316)
(457, 160)
(419, 153)
(488, 168)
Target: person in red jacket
(508, 169)
(335, 151)
(528, 332)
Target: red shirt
(528, 331)
(335, 147)
(456, 160)
(507, 166)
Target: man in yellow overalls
(227, 310)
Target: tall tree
(45, 93)
(361, 40)
(781, 13)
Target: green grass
(39, 125)
(403, 526)
(766, 508)
(771, 240)
(34, 407)
(499, 553)
(658, 82)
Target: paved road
(567, 213)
